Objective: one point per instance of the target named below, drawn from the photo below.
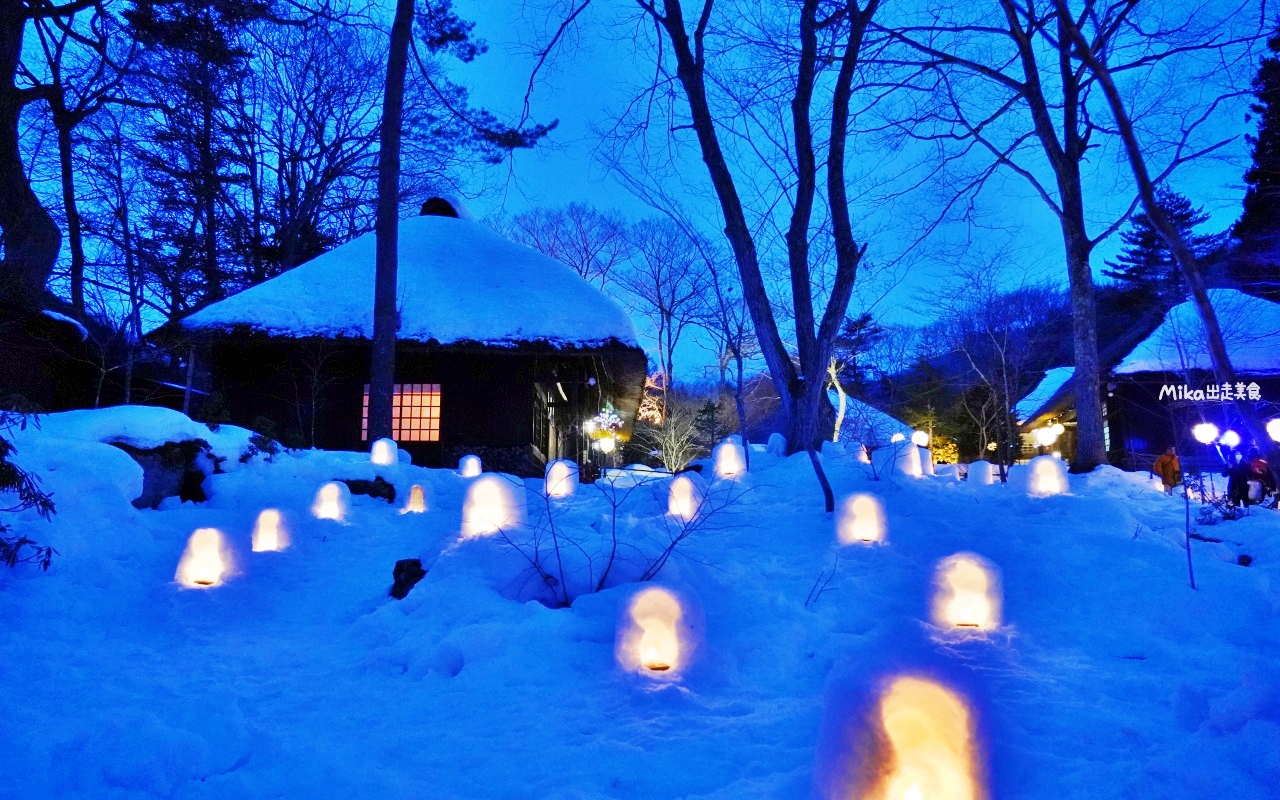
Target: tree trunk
(386, 322)
(75, 240)
(1090, 442)
(31, 239)
(1223, 371)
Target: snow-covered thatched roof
(1048, 386)
(458, 282)
(1250, 327)
(868, 425)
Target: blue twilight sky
(595, 73)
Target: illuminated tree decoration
(205, 561)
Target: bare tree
(666, 279)
(593, 242)
(1005, 87)
(1092, 53)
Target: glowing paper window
(415, 413)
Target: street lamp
(1230, 439)
(1273, 429)
(1205, 432)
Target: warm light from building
(268, 533)
(1058, 429)
(929, 736)
(1045, 437)
(205, 561)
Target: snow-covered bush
(610, 532)
(20, 490)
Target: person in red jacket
(1260, 472)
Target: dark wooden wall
(488, 396)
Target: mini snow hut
(502, 351)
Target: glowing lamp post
(561, 479)
(650, 642)
(861, 520)
(469, 466)
(493, 503)
(205, 560)
(932, 752)
(384, 453)
(1273, 429)
(729, 459)
(1230, 439)
(1205, 432)
(966, 593)
(268, 533)
(417, 502)
(1048, 476)
(331, 501)
(685, 497)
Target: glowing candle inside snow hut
(268, 533)
(205, 561)
(331, 501)
(1048, 476)
(729, 458)
(469, 466)
(652, 642)
(417, 502)
(384, 453)
(967, 593)
(493, 503)
(861, 520)
(932, 752)
(685, 497)
(561, 478)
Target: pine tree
(193, 58)
(1255, 266)
(1261, 217)
(1146, 265)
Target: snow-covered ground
(299, 677)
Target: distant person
(1168, 469)
(1259, 482)
(1238, 473)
